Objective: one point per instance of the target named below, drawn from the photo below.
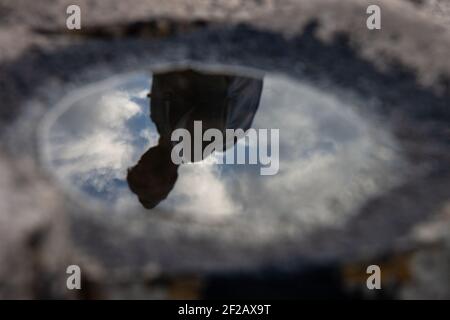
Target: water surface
(332, 157)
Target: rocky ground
(404, 67)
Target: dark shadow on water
(178, 98)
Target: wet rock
(34, 247)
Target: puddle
(331, 158)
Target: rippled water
(332, 158)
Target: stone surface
(34, 236)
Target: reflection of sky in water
(331, 159)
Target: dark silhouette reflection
(178, 99)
